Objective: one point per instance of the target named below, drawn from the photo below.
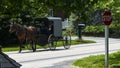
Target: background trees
(113, 6)
(88, 12)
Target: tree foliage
(81, 8)
(82, 11)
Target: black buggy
(50, 32)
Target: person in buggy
(51, 27)
(43, 28)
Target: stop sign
(107, 19)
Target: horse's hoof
(19, 51)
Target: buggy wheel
(52, 42)
(67, 41)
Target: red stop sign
(107, 19)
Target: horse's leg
(20, 47)
(33, 46)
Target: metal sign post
(107, 19)
(106, 46)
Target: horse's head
(13, 27)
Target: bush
(5, 37)
(114, 31)
(94, 31)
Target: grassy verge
(60, 43)
(98, 61)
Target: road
(61, 58)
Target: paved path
(61, 58)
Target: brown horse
(24, 34)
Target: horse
(24, 34)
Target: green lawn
(98, 61)
(16, 47)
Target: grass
(60, 43)
(98, 61)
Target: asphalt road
(61, 58)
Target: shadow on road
(30, 51)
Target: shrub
(94, 31)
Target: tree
(81, 8)
(113, 6)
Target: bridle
(17, 28)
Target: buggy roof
(47, 19)
(54, 18)
(41, 19)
